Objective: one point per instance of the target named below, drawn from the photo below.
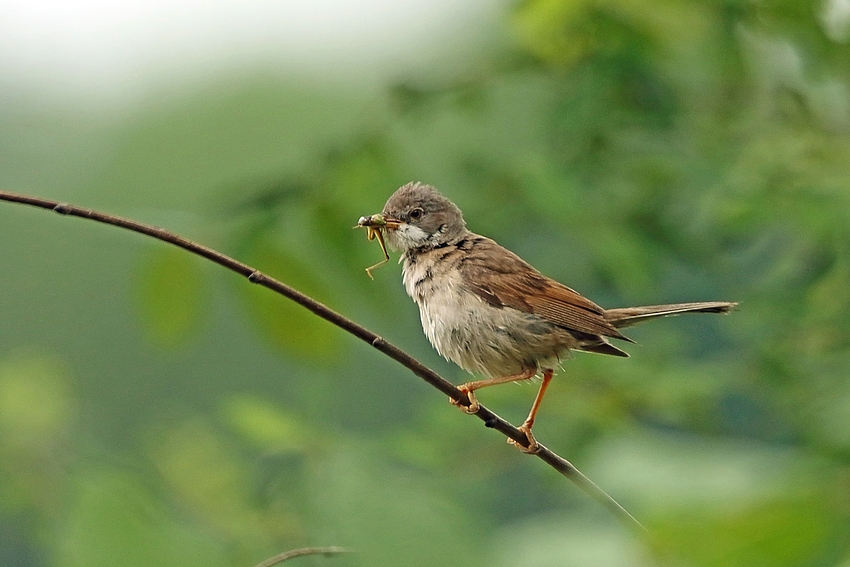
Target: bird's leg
(533, 446)
(470, 387)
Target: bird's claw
(533, 446)
(473, 406)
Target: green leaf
(551, 31)
(266, 426)
(35, 400)
(170, 295)
(112, 518)
(289, 326)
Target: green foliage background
(156, 410)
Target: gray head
(424, 218)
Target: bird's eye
(416, 213)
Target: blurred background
(156, 409)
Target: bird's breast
(462, 327)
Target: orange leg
(470, 387)
(533, 446)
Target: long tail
(627, 316)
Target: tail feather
(627, 316)
(603, 347)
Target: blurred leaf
(38, 413)
(36, 404)
(171, 295)
(362, 171)
(289, 326)
(391, 515)
(722, 502)
(268, 427)
(790, 531)
(114, 519)
(552, 30)
(553, 540)
(828, 311)
(409, 98)
(828, 419)
(624, 259)
(206, 474)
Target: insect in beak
(375, 225)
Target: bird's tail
(628, 316)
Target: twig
(489, 418)
(292, 553)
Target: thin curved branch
(293, 553)
(489, 418)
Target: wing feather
(503, 279)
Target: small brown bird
(489, 311)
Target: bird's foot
(473, 406)
(533, 446)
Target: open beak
(379, 222)
(375, 226)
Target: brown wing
(503, 279)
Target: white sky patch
(117, 46)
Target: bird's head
(418, 215)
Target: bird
(489, 311)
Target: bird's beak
(379, 222)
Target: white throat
(407, 236)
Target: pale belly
(478, 337)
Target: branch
(292, 553)
(489, 418)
